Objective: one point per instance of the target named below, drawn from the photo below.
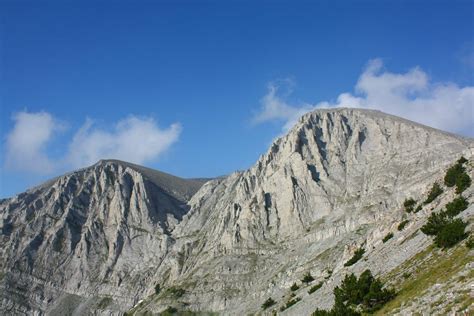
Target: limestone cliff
(99, 240)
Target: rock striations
(100, 240)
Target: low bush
(157, 289)
(452, 174)
(367, 292)
(462, 183)
(387, 237)
(447, 231)
(169, 311)
(356, 257)
(456, 206)
(451, 233)
(419, 208)
(402, 225)
(462, 160)
(269, 302)
(308, 278)
(435, 223)
(294, 287)
(409, 205)
(316, 287)
(435, 191)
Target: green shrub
(462, 160)
(269, 302)
(316, 287)
(409, 204)
(321, 312)
(308, 278)
(451, 233)
(169, 311)
(435, 223)
(402, 225)
(419, 208)
(462, 183)
(366, 292)
(456, 206)
(356, 257)
(452, 174)
(387, 237)
(294, 287)
(157, 289)
(377, 296)
(434, 193)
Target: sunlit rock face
(100, 239)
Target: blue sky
(200, 88)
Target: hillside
(118, 237)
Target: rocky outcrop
(96, 233)
(100, 239)
(337, 179)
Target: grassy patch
(432, 266)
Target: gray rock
(100, 239)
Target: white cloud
(133, 139)
(274, 107)
(410, 95)
(26, 143)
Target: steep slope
(101, 239)
(336, 180)
(91, 235)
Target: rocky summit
(345, 191)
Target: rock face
(100, 239)
(84, 234)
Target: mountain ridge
(335, 181)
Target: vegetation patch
(356, 257)
(451, 233)
(387, 237)
(366, 293)
(294, 287)
(409, 205)
(316, 287)
(308, 278)
(428, 267)
(435, 191)
(269, 302)
(402, 225)
(456, 206)
(453, 173)
(462, 183)
(157, 288)
(457, 176)
(447, 231)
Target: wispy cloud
(275, 107)
(133, 139)
(26, 142)
(412, 95)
